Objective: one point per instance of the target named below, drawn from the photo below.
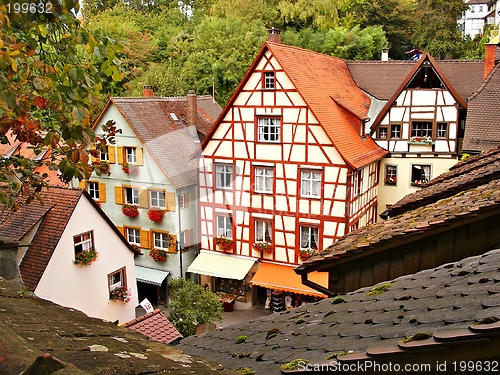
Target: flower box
(305, 254)
(418, 183)
(391, 180)
(421, 140)
(158, 255)
(130, 210)
(265, 247)
(130, 169)
(224, 243)
(84, 258)
(156, 215)
(120, 294)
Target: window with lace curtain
(264, 180)
(263, 231)
(309, 237)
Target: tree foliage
(192, 305)
(47, 95)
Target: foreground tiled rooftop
(444, 304)
(72, 343)
(470, 173)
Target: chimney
(9, 267)
(192, 108)
(385, 54)
(492, 52)
(274, 35)
(148, 91)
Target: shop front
(152, 284)
(227, 275)
(282, 288)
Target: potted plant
(421, 140)
(305, 254)
(130, 169)
(224, 243)
(418, 183)
(390, 180)
(263, 247)
(120, 294)
(130, 210)
(158, 255)
(84, 258)
(156, 215)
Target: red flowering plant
(84, 258)
(158, 255)
(130, 210)
(265, 247)
(120, 294)
(130, 169)
(156, 215)
(390, 180)
(224, 243)
(305, 254)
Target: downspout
(180, 241)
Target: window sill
(263, 192)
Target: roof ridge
(305, 50)
(485, 82)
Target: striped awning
(221, 265)
(150, 275)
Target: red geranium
(130, 169)
(156, 215)
(225, 244)
(130, 211)
(158, 255)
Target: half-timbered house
(286, 170)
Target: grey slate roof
(169, 142)
(382, 78)
(482, 128)
(444, 302)
(36, 333)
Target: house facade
(151, 189)
(58, 263)
(474, 19)
(420, 122)
(286, 170)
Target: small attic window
(173, 116)
(426, 78)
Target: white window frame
(263, 231)
(423, 167)
(93, 189)
(156, 200)
(308, 237)
(181, 201)
(310, 184)
(104, 155)
(131, 155)
(421, 129)
(356, 179)
(439, 131)
(391, 170)
(224, 176)
(396, 131)
(83, 242)
(269, 129)
(269, 80)
(224, 226)
(133, 235)
(380, 135)
(117, 280)
(264, 180)
(160, 239)
(134, 196)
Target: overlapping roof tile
(155, 326)
(483, 115)
(445, 313)
(467, 174)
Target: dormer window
(269, 82)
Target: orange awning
(279, 277)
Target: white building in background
(473, 21)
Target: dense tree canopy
(48, 94)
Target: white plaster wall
(85, 288)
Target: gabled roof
(170, 142)
(411, 226)
(467, 174)
(445, 303)
(381, 79)
(423, 61)
(155, 326)
(483, 116)
(36, 332)
(51, 218)
(326, 85)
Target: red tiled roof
(155, 326)
(58, 206)
(470, 173)
(170, 143)
(483, 115)
(323, 82)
